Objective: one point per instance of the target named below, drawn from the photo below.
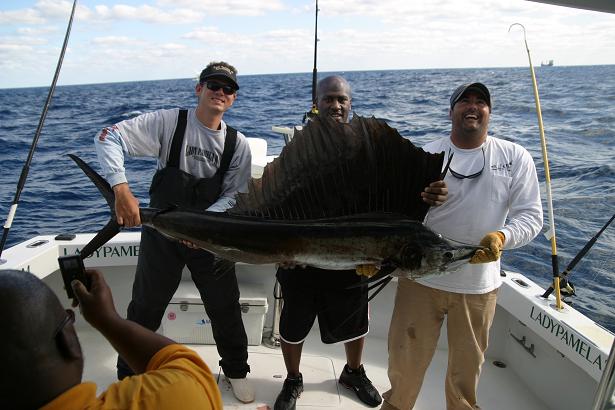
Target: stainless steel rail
(605, 395)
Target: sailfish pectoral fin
(367, 270)
(379, 280)
(382, 274)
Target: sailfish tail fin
(112, 228)
(102, 185)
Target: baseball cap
(219, 71)
(478, 87)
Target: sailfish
(338, 196)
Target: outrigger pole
(314, 110)
(26, 168)
(551, 233)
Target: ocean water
(578, 107)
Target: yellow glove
(367, 270)
(492, 243)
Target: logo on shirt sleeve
(105, 131)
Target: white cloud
(115, 41)
(42, 12)
(54, 8)
(18, 41)
(212, 35)
(228, 7)
(149, 39)
(51, 10)
(25, 16)
(11, 47)
(29, 31)
(22, 60)
(145, 13)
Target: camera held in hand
(72, 268)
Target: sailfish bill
(339, 195)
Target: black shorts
(311, 292)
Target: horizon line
(307, 73)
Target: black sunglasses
(214, 86)
(69, 318)
(461, 176)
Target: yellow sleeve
(176, 377)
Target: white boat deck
(320, 365)
(500, 388)
(554, 359)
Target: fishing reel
(308, 116)
(566, 288)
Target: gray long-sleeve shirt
(151, 134)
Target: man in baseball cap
(478, 87)
(496, 204)
(220, 70)
(195, 148)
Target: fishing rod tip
(516, 24)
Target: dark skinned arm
(136, 344)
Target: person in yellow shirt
(43, 362)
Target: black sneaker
(292, 389)
(357, 381)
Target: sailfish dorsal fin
(331, 169)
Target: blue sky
(126, 40)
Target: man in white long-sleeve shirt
(202, 164)
(494, 200)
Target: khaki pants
(413, 335)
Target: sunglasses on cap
(215, 86)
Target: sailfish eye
(448, 255)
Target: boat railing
(287, 132)
(605, 394)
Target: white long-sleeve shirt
(151, 134)
(505, 197)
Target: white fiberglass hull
(553, 360)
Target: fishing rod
(314, 110)
(314, 71)
(26, 168)
(564, 275)
(543, 143)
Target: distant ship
(547, 63)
